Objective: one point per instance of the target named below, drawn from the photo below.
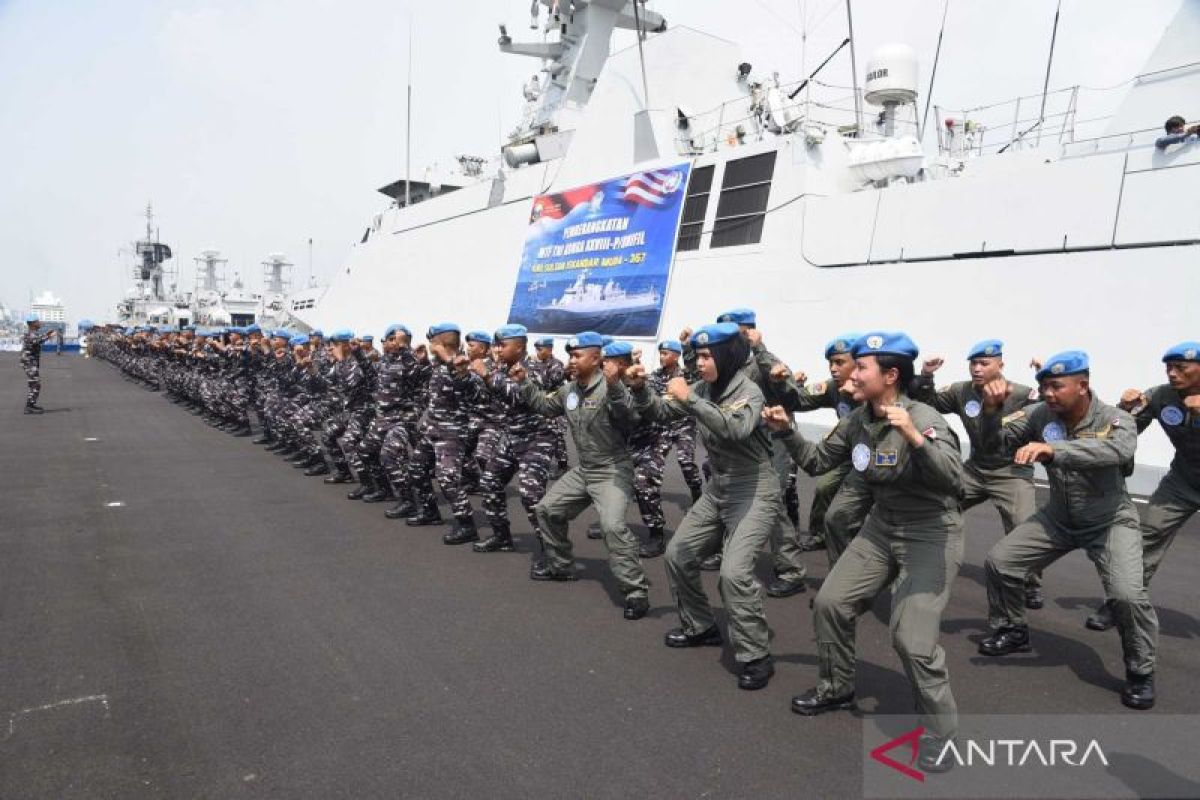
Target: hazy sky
(253, 125)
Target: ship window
(743, 205)
(695, 207)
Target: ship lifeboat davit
(899, 157)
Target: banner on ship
(599, 257)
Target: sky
(255, 125)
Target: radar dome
(891, 75)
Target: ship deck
(183, 615)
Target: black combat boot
(929, 759)
(677, 637)
(1102, 618)
(243, 431)
(1138, 691)
(541, 571)
(711, 563)
(319, 468)
(381, 490)
(340, 475)
(814, 702)
(309, 460)
(265, 438)
(500, 541)
(30, 408)
(786, 586)
(655, 544)
(756, 674)
(1006, 640)
(636, 607)
(463, 532)
(810, 542)
(403, 508)
(429, 515)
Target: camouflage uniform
(31, 361)
(348, 385)
(441, 450)
(551, 373)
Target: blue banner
(599, 257)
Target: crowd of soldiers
(469, 414)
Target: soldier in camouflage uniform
(31, 362)
(1176, 406)
(399, 445)
(441, 450)
(1087, 448)
(485, 417)
(525, 447)
(389, 397)
(552, 375)
(987, 475)
(348, 387)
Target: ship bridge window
(743, 205)
(695, 207)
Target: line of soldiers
(471, 413)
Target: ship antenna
(854, 73)
(408, 128)
(1049, 61)
(637, 17)
(933, 73)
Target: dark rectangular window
(695, 206)
(743, 204)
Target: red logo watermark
(913, 740)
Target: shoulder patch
(1013, 417)
(930, 433)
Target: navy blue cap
(1068, 362)
(741, 316)
(318, 332)
(988, 348)
(298, 339)
(341, 335)
(618, 350)
(671, 344)
(545, 341)
(369, 339)
(396, 327)
(482, 337)
(890, 343)
(841, 345)
(505, 332)
(1184, 351)
(718, 332)
(585, 339)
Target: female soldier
(740, 505)
(909, 459)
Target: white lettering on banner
(596, 226)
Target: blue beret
(32, 318)
(253, 329)
(545, 341)
(318, 332)
(298, 340)
(841, 345)
(1068, 362)
(442, 327)
(191, 328)
(618, 350)
(988, 348)
(512, 332)
(341, 335)
(880, 343)
(369, 339)
(716, 333)
(280, 333)
(741, 316)
(671, 344)
(199, 331)
(605, 341)
(482, 337)
(585, 339)
(396, 327)
(1184, 351)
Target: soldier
(987, 475)
(785, 545)
(441, 451)
(553, 374)
(348, 386)
(1176, 406)
(1087, 448)
(486, 417)
(838, 394)
(31, 361)
(739, 507)
(599, 413)
(525, 447)
(911, 541)
(399, 444)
